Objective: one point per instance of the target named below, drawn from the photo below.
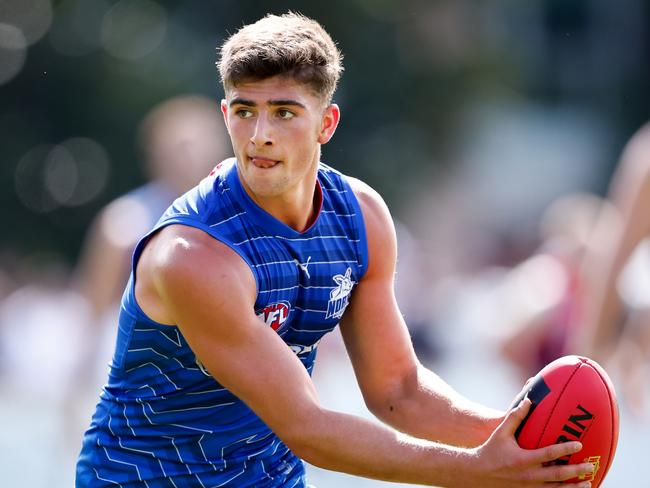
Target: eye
(243, 113)
(283, 113)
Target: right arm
(187, 278)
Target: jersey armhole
(177, 220)
(362, 238)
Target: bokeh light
(131, 29)
(32, 17)
(77, 26)
(29, 180)
(13, 51)
(65, 175)
(60, 174)
(91, 167)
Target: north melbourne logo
(340, 296)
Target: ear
(330, 121)
(224, 111)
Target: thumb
(516, 416)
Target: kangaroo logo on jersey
(340, 296)
(275, 315)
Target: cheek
(307, 134)
(237, 132)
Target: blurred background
(491, 128)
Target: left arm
(396, 387)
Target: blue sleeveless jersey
(162, 420)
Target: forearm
(602, 306)
(602, 311)
(356, 446)
(425, 406)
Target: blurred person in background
(612, 331)
(540, 297)
(180, 140)
(41, 332)
(236, 285)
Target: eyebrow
(251, 103)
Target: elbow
(307, 451)
(380, 407)
(393, 399)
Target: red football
(573, 400)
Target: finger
(582, 484)
(555, 451)
(565, 472)
(515, 417)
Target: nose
(263, 134)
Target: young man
(237, 283)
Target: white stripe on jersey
(338, 214)
(203, 452)
(290, 238)
(293, 261)
(229, 218)
(147, 349)
(297, 286)
(312, 330)
(119, 441)
(205, 391)
(123, 462)
(105, 479)
(163, 334)
(189, 471)
(309, 310)
(200, 482)
(189, 409)
(229, 480)
(185, 367)
(155, 366)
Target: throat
(302, 221)
(317, 205)
(299, 215)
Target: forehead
(274, 88)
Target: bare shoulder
(179, 250)
(182, 263)
(375, 210)
(380, 228)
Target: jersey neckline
(261, 216)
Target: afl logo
(275, 315)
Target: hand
(501, 463)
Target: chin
(263, 187)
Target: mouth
(262, 162)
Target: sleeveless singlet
(162, 419)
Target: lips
(262, 162)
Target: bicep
(211, 297)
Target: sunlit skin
(277, 127)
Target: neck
(300, 212)
(298, 208)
